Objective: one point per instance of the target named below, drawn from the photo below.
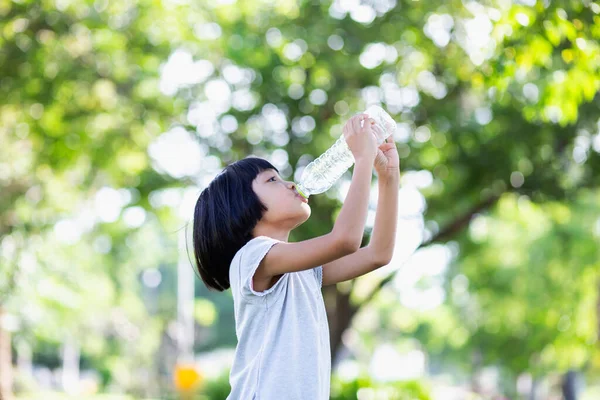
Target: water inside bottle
(323, 172)
(319, 175)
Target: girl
(242, 222)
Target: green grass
(63, 396)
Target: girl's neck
(279, 234)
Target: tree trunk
(5, 362)
(476, 365)
(569, 388)
(533, 391)
(339, 318)
(70, 365)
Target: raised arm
(380, 249)
(348, 229)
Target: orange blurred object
(186, 377)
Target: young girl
(242, 222)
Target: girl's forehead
(266, 172)
(262, 175)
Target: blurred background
(114, 115)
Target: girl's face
(286, 208)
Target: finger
(346, 126)
(369, 123)
(386, 146)
(380, 159)
(376, 128)
(357, 122)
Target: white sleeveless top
(283, 350)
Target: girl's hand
(387, 162)
(360, 137)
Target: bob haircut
(226, 212)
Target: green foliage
(63, 396)
(515, 112)
(365, 386)
(533, 277)
(218, 389)
(214, 389)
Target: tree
(481, 109)
(81, 104)
(491, 97)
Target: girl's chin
(307, 212)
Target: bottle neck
(302, 191)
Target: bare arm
(351, 220)
(344, 239)
(380, 249)
(383, 238)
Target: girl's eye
(270, 179)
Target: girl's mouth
(302, 198)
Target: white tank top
(283, 349)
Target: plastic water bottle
(322, 173)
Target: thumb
(386, 146)
(380, 158)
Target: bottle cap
(300, 192)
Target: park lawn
(64, 396)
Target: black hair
(226, 212)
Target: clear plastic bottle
(322, 173)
